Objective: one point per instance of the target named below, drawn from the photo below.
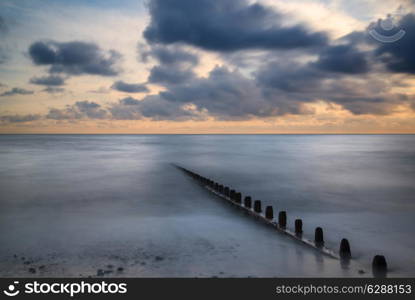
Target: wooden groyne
(255, 209)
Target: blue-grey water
(73, 204)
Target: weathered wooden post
(318, 237)
(282, 219)
(257, 206)
(232, 195)
(269, 213)
(344, 250)
(298, 223)
(238, 198)
(226, 191)
(248, 202)
(379, 266)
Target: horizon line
(339, 133)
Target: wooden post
(379, 266)
(226, 191)
(318, 237)
(344, 251)
(238, 197)
(269, 214)
(248, 202)
(232, 194)
(257, 206)
(298, 226)
(282, 219)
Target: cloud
(129, 101)
(169, 55)
(165, 75)
(19, 118)
(53, 90)
(151, 107)
(306, 83)
(51, 80)
(16, 91)
(3, 55)
(100, 90)
(75, 58)
(343, 59)
(175, 64)
(289, 77)
(3, 26)
(225, 25)
(399, 56)
(3, 32)
(129, 87)
(79, 110)
(223, 94)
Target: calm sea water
(73, 204)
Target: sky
(203, 66)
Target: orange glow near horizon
(323, 119)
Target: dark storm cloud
(79, 110)
(129, 87)
(290, 77)
(152, 107)
(51, 80)
(166, 75)
(224, 94)
(360, 104)
(399, 56)
(225, 25)
(343, 59)
(16, 91)
(19, 118)
(129, 101)
(175, 64)
(289, 85)
(74, 58)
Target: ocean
(114, 205)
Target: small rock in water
(100, 272)
(27, 262)
(110, 266)
(361, 272)
(42, 267)
(159, 258)
(120, 269)
(107, 272)
(32, 270)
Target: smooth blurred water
(78, 203)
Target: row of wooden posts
(379, 265)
